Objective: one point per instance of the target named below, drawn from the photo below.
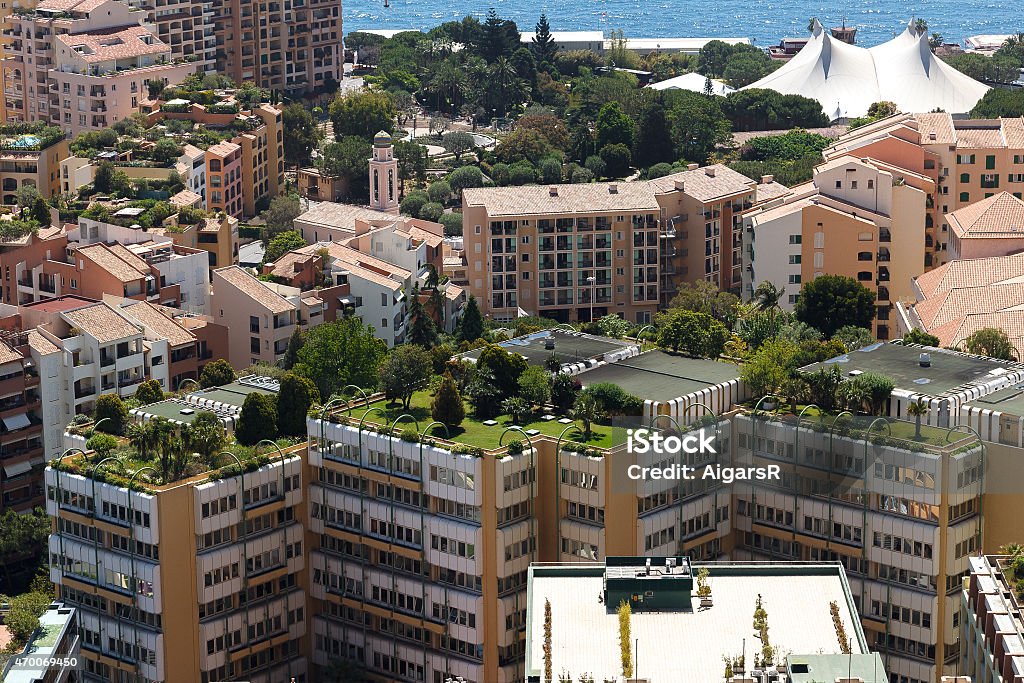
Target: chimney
(932, 136)
(553, 190)
(680, 185)
(766, 179)
(709, 171)
(613, 188)
(692, 167)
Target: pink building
(82, 64)
(991, 227)
(224, 178)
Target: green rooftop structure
(662, 376)
(648, 584)
(827, 668)
(224, 401)
(569, 347)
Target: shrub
(439, 191)
(258, 419)
(452, 223)
(617, 160)
(111, 408)
(102, 443)
(516, 447)
(447, 406)
(431, 211)
(216, 374)
(149, 392)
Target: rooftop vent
(924, 360)
(766, 179)
(186, 411)
(680, 185)
(692, 167)
(553, 190)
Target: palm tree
(918, 409)
(921, 26)
(507, 87)
(516, 407)
(767, 295)
(586, 411)
(140, 436)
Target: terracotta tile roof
(159, 323)
(980, 137)
(9, 355)
(353, 256)
(567, 199)
(1013, 131)
(130, 257)
(101, 322)
(938, 124)
(253, 288)
(962, 301)
(108, 260)
(121, 43)
(1001, 215)
(705, 184)
(417, 233)
(285, 266)
(185, 198)
(972, 273)
(767, 191)
(343, 216)
(41, 344)
(192, 151)
(955, 332)
(223, 148)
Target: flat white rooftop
(688, 645)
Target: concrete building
(673, 639)
(268, 311)
(575, 251)
(993, 226)
(991, 627)
(21, 439)
(969, 160)
(858, 217)
(27, 159)
(82, 65)
(224, 178)
(313, 184)
(186, 26)
(279, 47)
(49, 653)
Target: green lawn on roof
(473, 431)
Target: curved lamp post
(359, 390)
(131, 550)
(60, 498)
(96, 538)
(564, 326)
(753, 445)
(284, 538)
(558, 484)
(796, 459)
(182, 383)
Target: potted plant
(703, 587)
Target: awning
(17, 469)
(19, 421)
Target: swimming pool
(26, 141)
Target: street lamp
(592, 281)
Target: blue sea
(764, 22)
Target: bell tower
(383, 175)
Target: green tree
(523, 144)
(431, 211)
(917, 410)
(471, 326)
(439, 191)
(704, 297)
(148, 392)
(166, 151)
(992, 342)
(506, 89)
(697, 334)
(102, 443)
(505, 367)
(291, 354)
(698, 124)
(405, 370)
(216, 374)
(341, 352)
(349, 159)
(551, 170)
(447, 406)
(422, 329)
(296, 395)
(362, 114)
(614, 127)
(612, 325)
(465, 176)
(999, 102)
(829, 302)
(713, 58)
(413, 203)
(746, 67)
(517, 407)
(535, 386)
(769, 367)
(301, 134)
(40, 212)
(854, 337)
(617, 160)
(111, 408)
(564, 388)
(584, 409)
(282, 243)
(544, 45)
(257, 420)
(206, 436)
(916, 336)
(458, 142)
(653, 130)
(412, 161)
(103, 181)
(759, 109)
(22, 619)
(281, 214)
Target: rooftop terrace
(569, 347)
(950, 372)
(688, 644)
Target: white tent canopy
(694, 82)
(847, 79)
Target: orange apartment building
(21, 439)
(186, 26)
(968, 160)
(224, 178)
(82, 65)
(21, 164)
(576, 252)
(858, 217)
(294, 47)
(216, 236)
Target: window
(794, 280)
(990, 162)
(254, 344)
(965, 196)
(853, 184)
(839, 184)
(864, 256)
(864, 276)
(965, 177)
(819, 240)
(795, 239)
(794, 259)
(384, 323)
(871, 183)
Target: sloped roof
(101, 322)
(159, 323)
(693, 82)
(972, 273)
(254, 289)
(706, 183)
(1001, 215)
(848, 79)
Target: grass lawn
(474, 432)
(897, 429)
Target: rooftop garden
(23, 137)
